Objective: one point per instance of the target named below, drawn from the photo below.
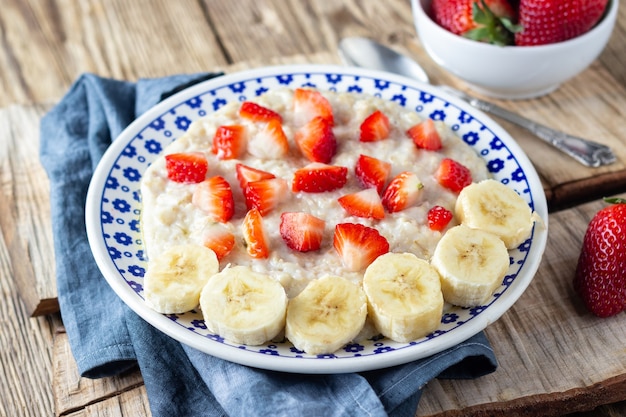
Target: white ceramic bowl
(511, 72)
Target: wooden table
(554, 357)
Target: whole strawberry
(550, 21)
(489, 21)
(600, 277)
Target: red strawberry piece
(372, 172)
(316, 140)
(375, 127)
(358, 245)
(546, 22)
(490, 21)
(425, 135)
(402, 192)
(308, 104)
(600, 279)
(438, 218)
(215, 197)
(229, 142)
(255, 239)
(270, 141)
(265, 194)
(301, 232)
(257, 113)
(219, 239)
(365, 203)
(453, 175)
(189, 168)
(246, 174)
(318, 178)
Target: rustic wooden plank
(47, 45)
(133, 403)
(25, 209)
(72, 392)
(554, 357)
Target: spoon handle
(588, 153)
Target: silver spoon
(366, 53)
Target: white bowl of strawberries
(514, 49)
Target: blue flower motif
(121, 205)
(237, 87)
(268, 352)
(381, 85)
(465, 117)
(137, 287)
(326, 356)
(106, 217)
(495, 165)
(524, 247)
(474, 311)
(123, 239)
(215, 337)
(355, 89)
(129, 151)
(471, 138)
(426, 97)
(198, 324)
(333, 78)
(131, 174)
(285, 79)
(399, 98)
(158, 124)
(194, 103)
(449, 318)
(438, 115)
(112, 183)
(496, 144)
(353, 347)
(136, 270)
(293, 349)
(182, 122)
(153, 147)
(518, 175)
(114, 253)
(435, 334)
(134, 225)
(217, 103)
(261, 90)
(141, 255)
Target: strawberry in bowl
(514, 49)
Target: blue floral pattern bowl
(113, 212)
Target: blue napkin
(107, 338)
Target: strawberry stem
(491, 28)
(614, 200)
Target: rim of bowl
(607, 19)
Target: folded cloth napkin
(108, 338)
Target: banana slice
(403, 296)
(471, 264)
(492, 206)
(326, 315)
(244, 306)
(175, 278)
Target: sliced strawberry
(308, 104)
(246, 174)
(266, 194)
(358, 245)
(302, 232)
(365, 203)
(453, 175)
(189, 168)
(219, 239)
(215, 197)
(375, 127)
(372, 172)
(425, 135)
(316, 140)
(438, 218)
(318, 178)
(255, 239)
(270, 142)
(257, 113)
(402, 192)
(229, 142)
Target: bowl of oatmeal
(115, 204)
